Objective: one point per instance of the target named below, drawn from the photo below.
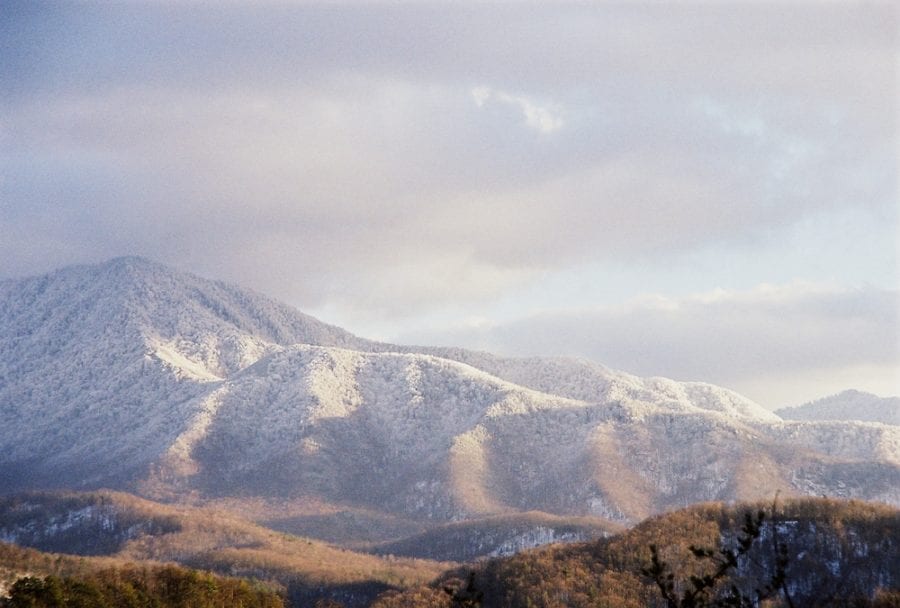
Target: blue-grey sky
(705, 191)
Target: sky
(702, 191)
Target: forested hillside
(118, 528)
(837, 554)
(33, 579)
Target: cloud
(756, 340)
(537, 117)
(405, 159)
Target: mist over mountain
(133, 376)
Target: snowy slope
(124, 347)
(129, 374)
(848, 405)
(589, 381)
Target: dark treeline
(139, 587)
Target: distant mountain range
(848, 405)
(131, 375)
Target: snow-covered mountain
(100, 366)
(131, 375)
(847, 405)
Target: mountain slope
(500, 535)
(848, 405)
(436, 439)
(131, 375)
(124, 345)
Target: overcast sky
(701, 191)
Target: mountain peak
(129, 264)
(130, 261)
(134, 266)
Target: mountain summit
(131, 375)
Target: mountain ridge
(847, 405)
(134, 376)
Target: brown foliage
(864, 537)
